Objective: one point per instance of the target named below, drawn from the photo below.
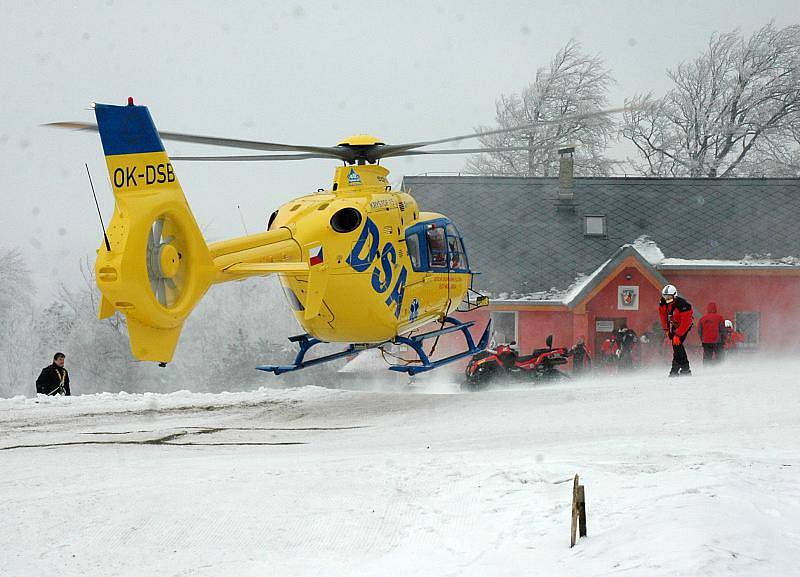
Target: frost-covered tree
(778, 155)
(729, 110)
(574, 83)
(16, 316)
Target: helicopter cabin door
(435, 249)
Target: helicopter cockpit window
(437, 247)
(412, 245)
(457, 255)
(271, 220)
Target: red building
(762, 299)
(581, 257)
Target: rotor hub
(361, 140)
(168, 261)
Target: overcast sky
(294, 72)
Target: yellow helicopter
(359, 263)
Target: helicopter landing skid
(306, 342)
(415, 342)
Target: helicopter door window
(437, 247)
(458, 258)
(412, 245)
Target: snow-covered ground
(695, 476)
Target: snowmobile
(503, 363)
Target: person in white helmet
(733, 339)
(676, 320)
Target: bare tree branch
(573, 83)
(738, 100)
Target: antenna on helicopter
(103, 226)
(241, 216)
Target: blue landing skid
(416, 341)
(306, 342)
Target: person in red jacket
(712, 334)
(733, 339)
(676, 320)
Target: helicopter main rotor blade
(330, 151)
(256, 157)
(392, 149)
(457, 151)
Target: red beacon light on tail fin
(130, 100)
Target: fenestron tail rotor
(165, 266)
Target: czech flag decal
(315, 255)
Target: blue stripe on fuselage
(126, 129)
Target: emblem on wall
(628, 298)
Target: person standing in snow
(676, 320)
(733, 339)
(580, 357)
(54, 379)
(607, 352)
(626, 341)
(712, 334)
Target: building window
(749, 324)
(504, 327)
(594, 225)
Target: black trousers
(712, 352)
(680, 362)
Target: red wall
(604, 304)
(776, 297)
(533, 328)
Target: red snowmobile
(504, 364)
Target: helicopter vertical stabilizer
(159, 265)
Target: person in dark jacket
(712, 334)
(626, 341)
(54, 379)
(580, 357)
(676, 320)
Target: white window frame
(604, 222)
(516, 323)
(757, 341)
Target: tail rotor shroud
(165, 264)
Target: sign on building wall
(604, 326)
(628, 298)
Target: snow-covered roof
(655, 256)
(650, 253)
(648, 249)
(583, 284)
(745, 263)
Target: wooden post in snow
(578, 512)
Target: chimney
(566, 197)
